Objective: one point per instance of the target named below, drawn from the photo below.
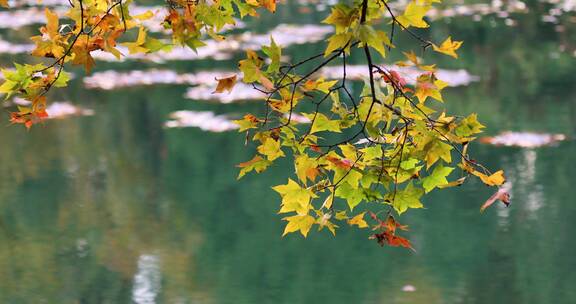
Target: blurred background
(129, 195)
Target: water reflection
(147, 280)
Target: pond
(115, 207)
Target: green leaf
(323, 123)
(352, 195)
(437, 178)
(408, 197)
(274, 52)
(469, 126)
(341, 17)
(374, 39)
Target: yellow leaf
(306, 168)
(52, 24)
(249, 121)
(4, 3)
(448, 47)
(257, 164)
(495, 179)
(428, 86)
(341, 17)
(137, 46)
(414, 14)
(271, 148)
(144, 16)
(358, 221)
(301, 223)
(322, 123)
(225, 84)
(294, 197)
(336, 42)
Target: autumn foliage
(383, 148)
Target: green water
(114, 208)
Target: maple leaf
(294, 197)
(29, 116)
(352, 194)
(301, 223)
(388, 235)
(267, 4)
(448, 47)
(345, 164)
(397, 241)
(249, 121)
(391, 225)
(257, 164)
(469, 126)
(274, 52)
(408, 197)
(436, 150)
(437, 178)
(82, 55)
(323, 123)
(341, 16)
(414, 14)
(500, 195)
(374, 39)
(338, 41)
(225, 84)
(306, 168)
(271, 148)
(455, 183)
(324, 221)
(319, 84)
(138, 45)
(358, 220)
(428, 86)
(496, 179)
(50, 43)
(394, 78)
(250, 68)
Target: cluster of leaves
(385, 147)
(99, 25)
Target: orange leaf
(225, 84)
(448, 47)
